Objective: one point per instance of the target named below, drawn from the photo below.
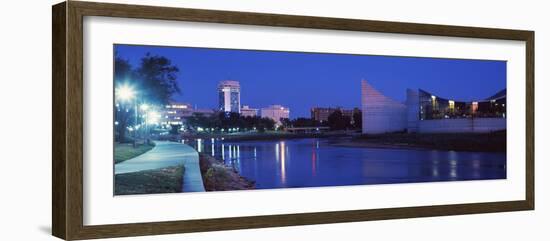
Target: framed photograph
(171, 120)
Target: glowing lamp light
(153, 117)
(125, 93)
(144, 107)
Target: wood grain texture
(67, 138)
(59, 128)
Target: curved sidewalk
(166, 154)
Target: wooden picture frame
(67, 123)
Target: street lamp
(127, 93)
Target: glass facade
(435, 107)
(234, 99)
(229, 94)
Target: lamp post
(144, 108)
(126, 93)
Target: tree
(266, 124)
(305, 122)
(286, 123)
(357, 119)
(175, 129)
(157, 79)
(154, 82)
(337, 121)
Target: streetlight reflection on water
(283, 161)
(316, 163)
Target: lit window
(451, 104)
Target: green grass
(164, 180)
(125, 151)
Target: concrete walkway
(167, 154)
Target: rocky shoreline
(217, 176)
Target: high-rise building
(229, 92)
(247, 111)
(276, 113)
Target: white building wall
(275, 112)
(247, 111)
(413, 110)
(380, 113)
(479, 125)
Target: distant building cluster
(229, 100)
(427, 113)
(229, 92)
(175, 113)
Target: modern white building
(247, 111)
(229, 92)
(424, 112)
(381, 114)
(276, 113)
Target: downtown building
(175, 113)
(276, 113)
(229, 93)
(424, 112)
(246, 111)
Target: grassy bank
(486, 142)
(125, 151)
(218, 177)
(164, 180)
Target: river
(315, 162)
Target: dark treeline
(229, 120)
(226, 121)
(336, 121)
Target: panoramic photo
(190, 119)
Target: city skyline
(270, 77)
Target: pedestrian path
(167, 154)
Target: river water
(315, 162)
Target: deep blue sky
(304, 80)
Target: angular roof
(375, 97)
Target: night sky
(304, 80)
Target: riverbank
(275, 135)
(475, 142)
(163, 180)
(218, 177)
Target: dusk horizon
(275, 77)
(417, 119)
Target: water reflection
(314, 158)
(314, 162)
(283, 161)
